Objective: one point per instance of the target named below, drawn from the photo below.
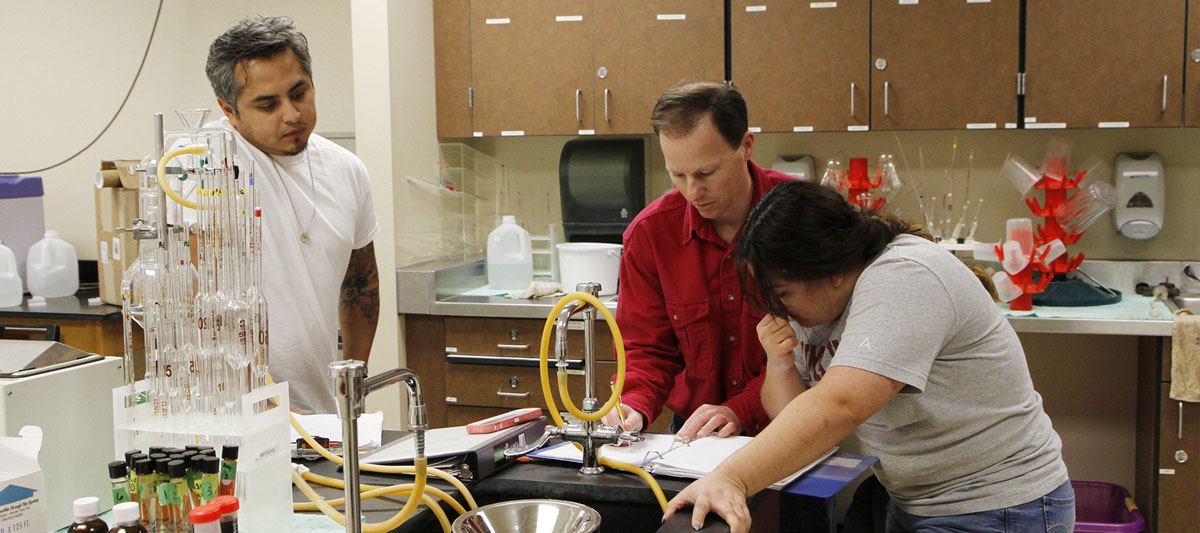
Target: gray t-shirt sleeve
(898, 320)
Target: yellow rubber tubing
(543, 371)
(373, 491)
(162, 173)
(418, 487)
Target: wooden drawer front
(512, 387)
(515, 337)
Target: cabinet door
(1192, 92)
(452, 66)
(531, 61)
(1178, 464)
(1104, 63)
(944, 64)
(643, 47)
(803, 66)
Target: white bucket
(580, 262)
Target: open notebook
(661, 454)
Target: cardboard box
(116, 207)
(22, 485)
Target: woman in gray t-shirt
(875, 330)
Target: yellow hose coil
(162, 173)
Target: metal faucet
(351, 386)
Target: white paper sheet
(370, 428)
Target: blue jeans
(1052, 513)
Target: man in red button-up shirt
(690, 341)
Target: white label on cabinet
(1113, 125)
(587, 132)
(909, 2)
(802, 129)
(858, 128)
(981, 125)
(497, 21)
(821, 5)
(1029, 120)
(1010, 125)
(451, 349)
(1166, 471)
(478, 134)
(679, 16)
(754, 129)
(104, 252)
(569, 18)
(512, 133)
(451, 399)
(1046, 126)
(116, 248)
(755, 9)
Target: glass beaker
(1084, 208)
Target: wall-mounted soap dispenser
(1140, 195)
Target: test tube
(162, 479)
(118, 478)
(147, 492)
(229, 455)
(133, 475)
(176, 496)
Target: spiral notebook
(661, 454)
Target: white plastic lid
(86, 507)
(51, 234)
(508, 219)
(126, 512)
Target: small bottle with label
(229, 455)
(119, 479)
(87, 519)
(126, 514)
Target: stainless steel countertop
(438, 287)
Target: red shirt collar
(695, 225)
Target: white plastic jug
(52, 267)
(509, 256)
(581, 262)
(11, 289)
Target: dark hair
(252, 38)
(680, 109)
(802, 231)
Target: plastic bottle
(509, 256)
(52, 267)
(229, 509)
(11, 289)
(87, 519)
(206, 519)
(126, 515)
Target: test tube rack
(261, 433)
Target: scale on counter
(22, 358)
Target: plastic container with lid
(87, 516)
(11, 288)
(206, 519)
(509, 256)
(126, 514)
(229, 507)
(52, 267)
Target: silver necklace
(312, 185)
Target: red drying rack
(861, 184)
(1050, 229)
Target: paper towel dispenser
(602, 183)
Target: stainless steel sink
(1188, 301)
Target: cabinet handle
(513, 346)
(512, 394)
(852, 99)
(470, 97)
(606, 106)
(885, 98)
(578, 93)
(1164, 93)
(1179, 433)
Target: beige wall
(67, 65)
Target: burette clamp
(141, 230)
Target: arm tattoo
(360, 288)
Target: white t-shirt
(967, 433)
(303, 280)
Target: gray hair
(252, 38)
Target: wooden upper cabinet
(643, 47)
(1096, 63)
(944, 64)
(531, 61)
(452, 66)
(1192, 59)
(803, 66)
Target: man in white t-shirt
(318, 215)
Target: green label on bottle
(168, 494)
(228, 470)
(208, 490)
(120, 495)
(133, 485)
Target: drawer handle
(513, 394)
(513, 346)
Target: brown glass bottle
(127, 514)
(86, 519)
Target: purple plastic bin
(1104, 507)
